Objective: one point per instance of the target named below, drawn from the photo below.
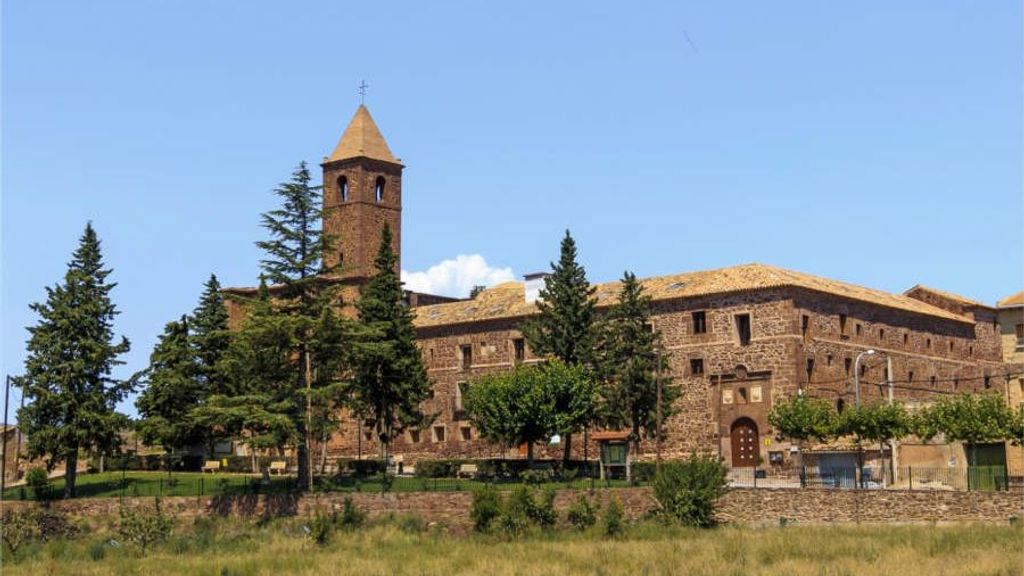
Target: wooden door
(744, 443)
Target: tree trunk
(70, 474)
(566, 450)
(323, 458)
(529, 454)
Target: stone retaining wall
(740, 505)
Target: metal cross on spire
(362, 91)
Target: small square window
(467, 433)
(696, 366)
(414, 436)
(700, 322)
(439, 433)
(518, 350)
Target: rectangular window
(858, 329)
(696, 366)
(828, 359)
(438, 433)
(810, 368)
(519, 350)
(743, 328)
(906, 339)
(842, 324)
(847, 365)
(863, 369)
(467, 433)
(881, 333)
(928, 343)
(466, 353)
(910, 377)
(414, 436)
(1020, 335)
(700, 323)
(805, 324)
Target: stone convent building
(738, 339)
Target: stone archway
(744, 443)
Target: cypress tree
(70, 394)
(632, 363)
(390, 378)
(172, 392)
(564, 325)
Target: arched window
(380, 189)
(343, 188)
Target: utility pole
(3, 439)
(657, 383)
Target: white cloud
(456, 277)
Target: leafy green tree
(574, 394)
(633, 365)
(803, 418)
(294, 263)
(876, 422)
(390, 379)
(70, 394)
(171, 392)
(969, 418)
(332, 351)
(564, 325)
(512, 408)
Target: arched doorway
(744, 443)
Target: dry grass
(231, 548)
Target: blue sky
(878, 142)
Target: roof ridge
(362, 138)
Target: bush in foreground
(686, 491)
(145, 528)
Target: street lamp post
(856, 375)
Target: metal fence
(878, 478)
(148, 484)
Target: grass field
(111, 484)
(233, 547)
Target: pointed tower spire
(362, 138)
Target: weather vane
(362, 91)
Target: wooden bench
(278, 467)
(468, 471)
(211, 466)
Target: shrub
(643, 471)
(145, 528)
(39, 481)
(19, 527)
(517, 511)
(614, 519)
(537, 477)
(351, 516)
(411, 524)
(361, 468)
(543, 511)
(581, 514)
(485, 508)
(686, 491)
(322, 526)
(439, 468)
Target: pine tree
(258, 402)
(633, 365)
(391, 380)
(209, 335)
(294, 261)
(564, 326)
(172, 391)
(70, 394)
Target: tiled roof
(362, 138)
(1015, 300)
(949, 296)
(508, 300)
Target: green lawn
(114, 484)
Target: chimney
(534, 283)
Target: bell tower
(362, 192)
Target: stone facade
(737, 340)
(1011, 330)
